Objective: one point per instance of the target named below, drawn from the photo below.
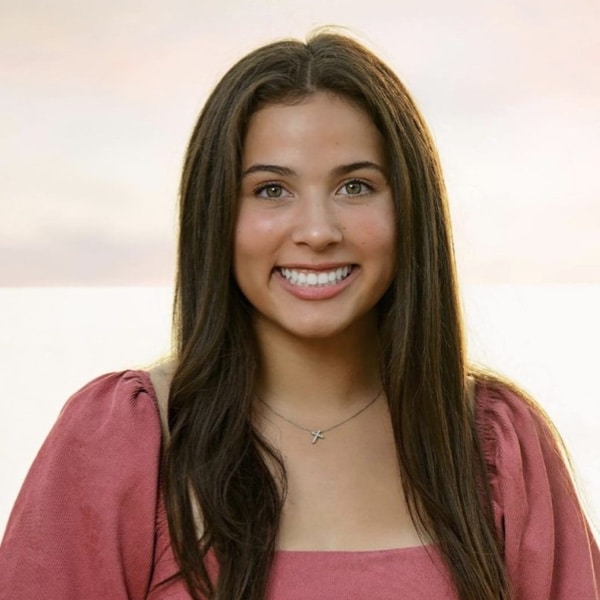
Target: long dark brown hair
(215, 459)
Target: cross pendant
(317, 435)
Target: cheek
(251, 232)
(377, 235)
(256, 240)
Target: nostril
(318, 235)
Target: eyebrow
(269, 169)
(286, 171)
(356, 166)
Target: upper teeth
(316, 278)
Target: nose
(317, 224)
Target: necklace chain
(317, 434)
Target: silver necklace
(317, 434)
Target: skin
(315, 197)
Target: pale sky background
(98, 100)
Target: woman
(322, 435)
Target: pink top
(89, 521)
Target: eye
(271, 191)
(355, 187)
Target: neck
(319, 377)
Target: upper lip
(316, 267)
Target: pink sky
(98, 103)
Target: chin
(316, 332)
(326, 329)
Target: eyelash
(261, 189)
(258, 191)
(368, 186)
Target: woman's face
(314, 242)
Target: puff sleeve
(83, 525)
(550, 551)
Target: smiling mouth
(307, 278)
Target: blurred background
(98, 101)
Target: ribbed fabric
(90, 523)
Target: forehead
(321, 120)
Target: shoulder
(503, 408)
(112, 406)
(512, 425)
(526, 461)
(517, 437)
(114, 391)
(107, 436)
(84, 522)
(535, 503)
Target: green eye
(270, 190)
(354, 187)
(273, 191)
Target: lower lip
(317, 292)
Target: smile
(306, 278)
